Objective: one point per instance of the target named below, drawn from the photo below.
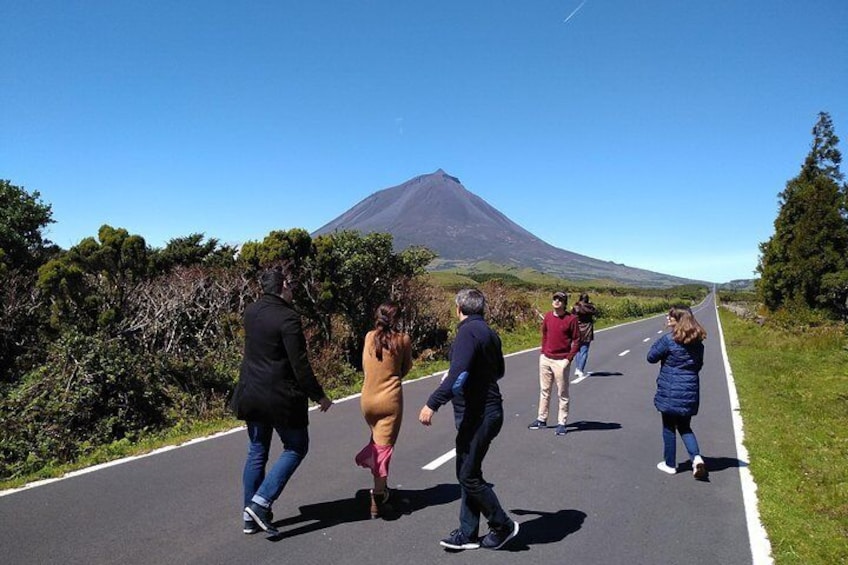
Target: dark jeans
(472, 444)
(265, 489)
(671, 424)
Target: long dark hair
(687, 329)
(386, 320)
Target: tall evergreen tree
(804, 263)
(23, 217)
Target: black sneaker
(262, 516)
(458, 540)
(537, 425)
(497, 539)
(251, 527)
(561, 431)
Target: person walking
(275, 383)
(560, 341)
(681, 356)
(386, 359)
(471, 385)
(585, 312)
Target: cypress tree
(804, 263)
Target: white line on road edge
(623, 353)
(580, 379)
(436, 463)
(115, 462)
(760, 545)
(646, 340)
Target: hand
(324, 404)
(426, 415)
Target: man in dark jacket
(274, 386)
(476, 364)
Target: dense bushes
(111, 339)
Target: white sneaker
(578, 373)
(699, 468)
(666, 469)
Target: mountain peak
(445, 176)
(436, 211)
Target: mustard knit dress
(382, 394)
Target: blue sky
(655, 133)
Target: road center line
(623, 353)
(436, 463)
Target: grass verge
(793, 395)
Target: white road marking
(647, 339)
(436, 463)
(580, 379)
(760, 544)
(623, 353)
(659, 332)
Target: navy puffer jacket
(678, 388)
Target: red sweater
(560, 336)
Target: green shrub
(91, 390)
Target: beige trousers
(553, 371)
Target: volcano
(436, 211)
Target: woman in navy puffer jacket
(681, 356)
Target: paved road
(593, 496)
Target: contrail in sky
(577, 9)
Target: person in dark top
(560, 341)
(471, 385)
(275, 384)
(585, 312)
(681, 356)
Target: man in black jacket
(274, 386)
(476, 364)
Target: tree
(88, 285)
(804, 263)
(191, 250)
(23, 216)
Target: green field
(793, 394)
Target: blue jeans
(472, 444)
(671, 424)
(582, 356)
(265, 489)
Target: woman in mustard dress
(386, 359)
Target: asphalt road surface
(592, 496)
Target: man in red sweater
(560, 342)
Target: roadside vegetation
(792, 381)
(788, 347)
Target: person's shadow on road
(603, 374)
(714, 465)
(584, 426)
(332, 513)
(547, 527)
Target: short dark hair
(272, 280)
(471, 301)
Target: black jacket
(476, 365)
(276, 378)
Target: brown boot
(378, 502)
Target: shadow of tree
(547, 527)
(323, 515)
